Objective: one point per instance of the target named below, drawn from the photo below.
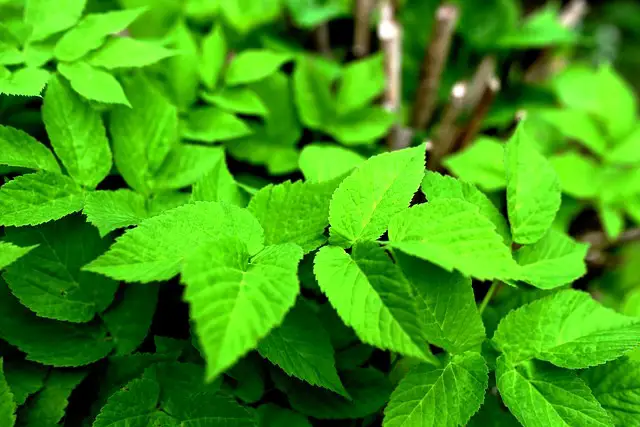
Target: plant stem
(390, 35)
(485, 301)
(323, 40)
(362, 33)
(447, 132)
(479, 114)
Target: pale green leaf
(553, 261)
(236, 301)
(77, 134)
(244, 16)
(181, 71)
(542, 28)
(7, 401)
(185, 165)
(271, 415)
(93, 83)
(364, 203)
(252, 65)
(213, 56)
(37, 198)
(446, 305)
(156, 249)
(627, 151)
(241, 100)
(576, 125)
(362, 82)
(481, 164)
(307, 212)
(312, 93)
(24, 379)
(47, 341)
(362, 126)
(111, 210)
(212, 124)
(533, 189)
(48, 280)
(372, 296)
(436, 186)
(446, 396)
(324, 162)
(27, 81)
(10, 253)
(453, 234)
(579, 176)
(218, 185)
(569, 329)
(541, 395)
(616, 385)
(301, 347)
(612, 219)
(47, 18)
(282, 127)
(125, 52)
(19, 149)
(92, 32)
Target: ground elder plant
(225, 214)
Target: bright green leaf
(241, 100)
(312, 93)
(627, 151)
(111, 210)
(125, 52)
(19, 149)
(324, 162)
(481, 164)
(93, 83)
(362, 126)
(213, 56)
(47, 18)
(579, 176)
(249, 66)
(362, 82)
(212, 124)
(10, 253)
(23, 82)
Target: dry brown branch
(479, 114)
(447, 132)
(362, 32)
(323, 40)
(433, 64)
(476, 88)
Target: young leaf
(453, 234)
(568, 329)
(49, 281)
(372, 296)
(50, 342)
(185, 165)
(282, 125)
(616, 385)
(241, 100)
(111, 210)
(307, 207)
(430, 396)
(362, 82)
(218, 185)
(156, 249)
(612, 219)
(182, 70)
(627, 151)
(37, 198)
(481, 164)
(252, 65)
(47, 18)
(312, 94)
(213, 56)
(129, 319)
(19, 149)
(10, 253)
(235, 302)
(301, 347)
(93, 83)
(436, 186)
(541, 395)
(24, 379)
(446, 305)
(579, 176)
(553, 261)
(246, 16)
(323, 162)
(125, 52)
(29, 81)
(364, 203)
(7, 402)
(533, 189)
(362, 126)
(77, 134)
(211, 124)
(92, 32)
(577, 125)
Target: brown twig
(362, 32)
(323, 40)
(447, 132)
(599, 240)
(390, 35)
(479, 114)
(484, 73)
(433, 64)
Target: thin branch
(362, 32)
(600, 242)
(479, 114)
(433, 64)
(447, 132)
(390, 35)
(573, 14)
(323, 40)
(484, 73)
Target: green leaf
(271, 415)
(362, 126)
(323, 162)
(446, 305)
(49, 281)
(612, 219)
(37, 198)
(77, 134)
(362, 82)
(481, 164)
(249, 379)
(213, 56)
(372, 296)
(576, 125)
(533, 189)
(482, 25)
(241, 100)
(568, 329)
(436, 186)
(453, 234)
(539, 394)
(129, 319)
(27, 81)
(47, 341)
(185, 165)
(369, 390)
(430, 396)
(579, 176)
(156, 249)
(553, 261)
(47, 18)
(93, 83)
(19, 149)
(282, 125)
(48, 407)
(7, 401)
(24, 379)
(125, 52)
(627, 151)
(10, 253)
(301, 347)
(92, 32)
(312, 93)
(307, 212)
(366, 200)
(212, 124)
(252, 65)
(218, 185)
(111, 210)
(616, 386)
(143, 135)
(236, 301)
(182, 70)
(541, 29)
(244, 16)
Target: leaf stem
(485, 301)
